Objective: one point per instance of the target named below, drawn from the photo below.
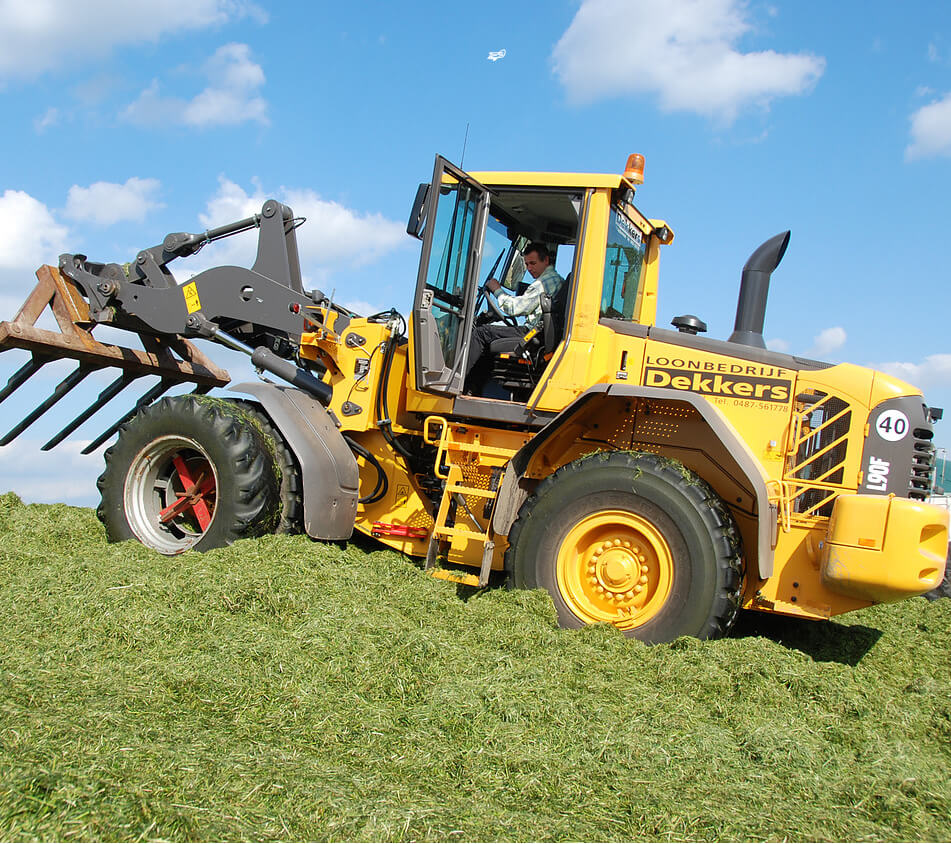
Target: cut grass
(285, 689)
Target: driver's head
(537, 258)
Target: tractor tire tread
(718, 519)
(252, 498)
(291, 492)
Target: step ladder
(455, 517)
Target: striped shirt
(530, 301)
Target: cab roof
(549, 180)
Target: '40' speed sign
(892, 425)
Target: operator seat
(518, 362)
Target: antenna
(464, 142)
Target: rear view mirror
(417, 216)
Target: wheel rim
(615, 567)
(170, 494)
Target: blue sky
(123, 122)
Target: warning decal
(192, 302)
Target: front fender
(329, 471)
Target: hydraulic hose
(382, 483)
(383, 417)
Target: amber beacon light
(634, 169)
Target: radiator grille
(922, 465)
(817, 470)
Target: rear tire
(633, 540)
(291, 491)
(189, 472)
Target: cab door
(453, 228)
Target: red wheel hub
(198, 494)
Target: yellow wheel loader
(648, 478)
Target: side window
(623, 267)
(565, 259)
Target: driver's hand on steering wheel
(493, 286)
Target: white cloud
(150, 108)
(29, 234)
(777, 344)
(684, 51)
(232, 96)
(933, 371)
(49, 118)
(231, 203)
(105, 203)
(333, 235)
(931, 130)
(828, 340)
(33, 33)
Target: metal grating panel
(820, 448)
(923, 464)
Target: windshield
(520, 216)
(502, 256)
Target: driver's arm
(511, 305)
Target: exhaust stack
(754, 288)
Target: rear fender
(706, 441)
(329, 471)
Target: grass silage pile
(285, 689)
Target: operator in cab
(546, 281)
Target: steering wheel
(492, 307)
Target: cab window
(456, 216)
(624, 267)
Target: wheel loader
(648, 478)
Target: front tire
(633, 540)
(189, 472)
